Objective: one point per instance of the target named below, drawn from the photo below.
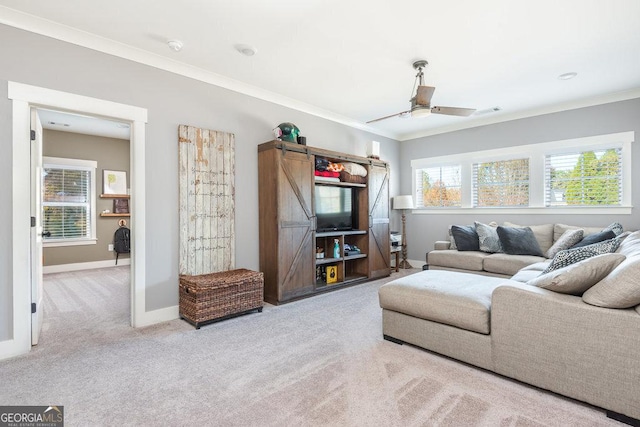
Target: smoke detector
(246, 49)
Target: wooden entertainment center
(288, 222)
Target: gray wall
(171, 100)
(622, 116)
(111, 154)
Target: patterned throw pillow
(452, 241)
(616, 227)
(568, 239)
(488, 238)
(573, 255)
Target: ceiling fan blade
(453, 111)
(424, 94)
(388, 117)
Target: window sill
(60, 243)
(617, 210)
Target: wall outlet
(110, 247)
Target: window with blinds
(438, 186)
(67, 193)
(503, 183)
(584, 178)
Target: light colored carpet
(319, 361)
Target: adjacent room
(320, 213)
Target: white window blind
(584, 178)
(503, 183)
(438, 186)
(67, 202)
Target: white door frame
(24, 97)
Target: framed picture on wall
(114, 182)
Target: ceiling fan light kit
(421, 100)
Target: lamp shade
(403, 202)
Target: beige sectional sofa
(551, 340)
(498, 264)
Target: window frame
(536, 154)
(85, 165)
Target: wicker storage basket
(211, 297)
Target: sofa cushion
(620, 289)
(630, 246)
(573, 255)
(595, 238)
(458, 299)
(559, 229)
(519, 241)
(576, 278)
(509, 264)
(465, 260)
(543, 234)
(568, 239)
(488, 238)
(524, 275)
(465, 237)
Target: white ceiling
(75, 123)
(350, 61)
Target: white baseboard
(12, 348)
(157, 316)
(84, 265)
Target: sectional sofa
(574, 331)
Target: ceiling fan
(421, 101)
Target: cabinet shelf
(115, 196)
(322, 261)
(340, 233)
(340, 184)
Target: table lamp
(404, 203)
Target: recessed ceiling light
(567, 76)
(246, 49)
(175, 45)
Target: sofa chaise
(584, 344)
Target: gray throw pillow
(465, 237)
(620, 289)
(567, 240)
(573, 255)
(576, 278)
(543, 233)
(595, 238)
(488, 238)
(519, 241)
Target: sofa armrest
(442, 245)
(560, 343)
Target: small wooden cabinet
(288, 237)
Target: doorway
(24, 98)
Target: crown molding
(45, 27)
(555, 108)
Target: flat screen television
(335, 208)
